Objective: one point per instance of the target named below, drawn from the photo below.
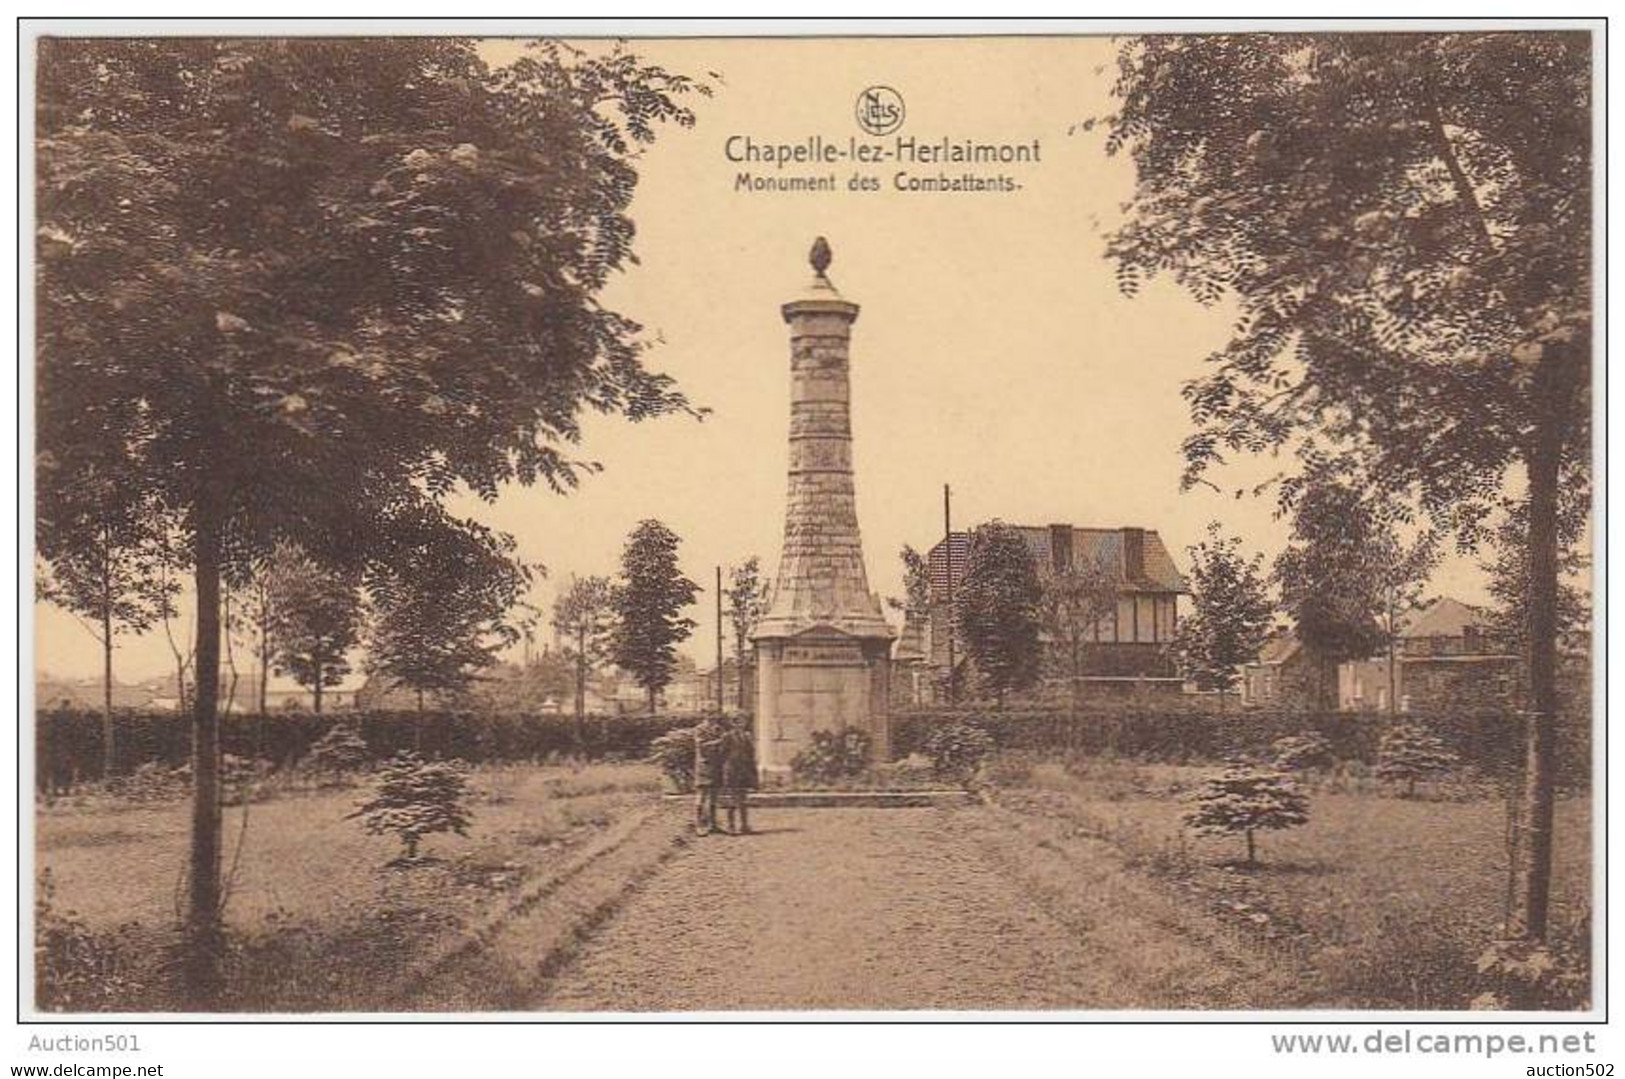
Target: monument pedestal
(820, 680)
(823, 650)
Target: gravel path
(854, 909)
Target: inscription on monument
(838, 653)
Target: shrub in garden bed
(1301, 752)
(957, 751)
(77, 969)
(673, 752)
(152, 782)
(832, 757)
(1528, 975)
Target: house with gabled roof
(1127, 647)
(1283, 676)
(1445, 655)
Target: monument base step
(876, 799)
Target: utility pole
(719, 641)
(948, 561)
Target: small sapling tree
(416, 798)
(1410, 753)
(1245, 799)
(340, 750)
(1299, 752)
(1230, 614)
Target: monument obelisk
(823, 648)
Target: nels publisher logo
(880, 110)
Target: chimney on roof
(1134, 554)
(1060, 548)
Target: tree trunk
(204, 900)
(417, 727)
(265, 648)
(109, 747)
(580, 732)
(1326, 683)
(1252, 858)
(651, 702)
(1532, 872)
(316, 690)
(1077, 676)
(1393, 672)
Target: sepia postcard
(1039, 525)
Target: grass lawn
(1381, 901)
(316, 915)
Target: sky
(994, 351)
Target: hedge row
(1491, 743)
(69, 747)
(68, 744)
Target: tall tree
(317, 621)
(746, 597)
(1331, 580)
(256, 616)
(439, 611)
(322, 282)
(584, 616)
(1404, 221)
(649, 601)
(527, 619)
(1075, 599)
(111, 577)
(996, 609)
(1508, 571)
(1230, 613)
(916, 581)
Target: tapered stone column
(823, 648)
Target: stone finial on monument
(820, 256)
(823, 648)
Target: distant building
(1444, 656)
(1284, 675)
(238, 694)
(282, 694)
(86, 693)
(545, 685)
(1128, 647)
(730, 687)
